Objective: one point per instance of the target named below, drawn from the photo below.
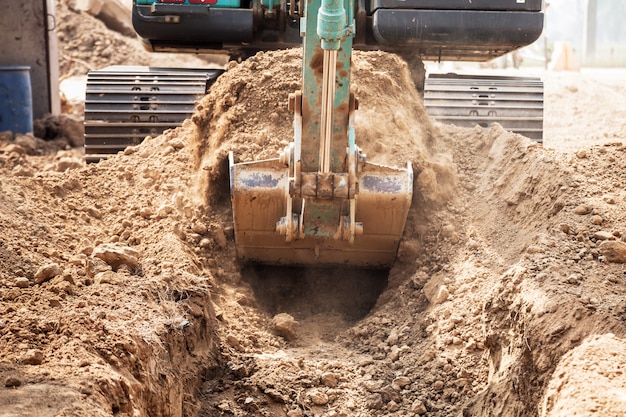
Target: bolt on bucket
(16, 106)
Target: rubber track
(124, 105)
(516, 103)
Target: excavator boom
(320, 202)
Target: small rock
(436, 294)
(393, 406)
(233, 341)
(94, 266)
(374, 401)
(613, 251)
(285, 325)
(13, 148)
(177, 143)
(408, 251)
(318, 397)
(146, 212)
(473, 244)
(419, 278)
(12, 382)
(47, 272)
(428, 356)
(205, 243)
(438, 385)
(54, 302)
(603, 235)
(448, 231)
(94, 212)
(533, 249)
(23, 171)
(117, 255)
(400, 382)
(22, 282)
(329, 379)
(220, 238)
(583, 209)
(597, 220)
(199, 228)
(581, 154)
(394, 354)
(107, 277)
(471, 345)
(164, 211)
(87, 390)
(33, 357)
(418, 407)
(178, 231)
(372, 386)
(392, 339)
(67, 163)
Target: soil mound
(246, 112)
(120, 292)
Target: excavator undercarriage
(125, 104)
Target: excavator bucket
(260, 190)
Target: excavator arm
(321, 202)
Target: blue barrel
(16, 103)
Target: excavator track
(516, 103)
(124, 105)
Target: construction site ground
(121, 293)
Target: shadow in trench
(303, 292)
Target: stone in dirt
(285, 326)
(22, 282)
(117, 255)
(32, 357)
(613, 251)
(12, 382)
(47, 272)
(436, 291)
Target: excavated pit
(304, 292)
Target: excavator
(319, 202)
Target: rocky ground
(121, 293)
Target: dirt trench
(121, 294)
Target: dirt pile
(246, 113)
(121, 288)
(120, 293)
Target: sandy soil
(121, 294)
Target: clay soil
(121, 293)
